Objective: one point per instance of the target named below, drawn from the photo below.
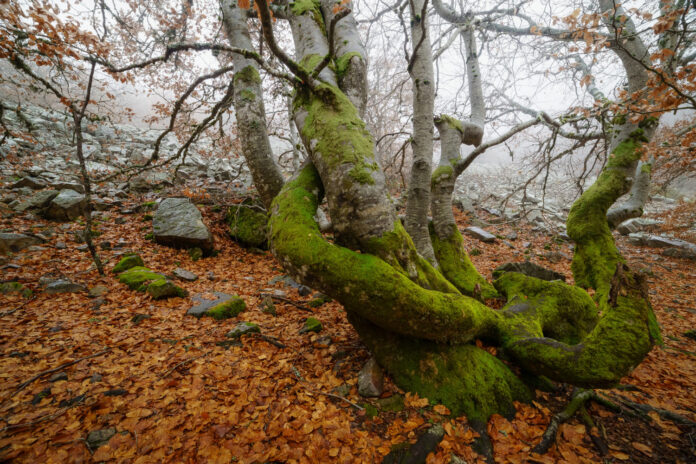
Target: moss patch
(227, 309)
(312, 324)
(156, 285)
(161, 289)
(15, 287)
(128, 262)
(343, 62)
(247, 75)
(248, 225)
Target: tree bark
(249, 107)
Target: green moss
(312, 324)
(452, 122)
(334, 129)
(247, 75)
(163, 288)
(195, 253)
(227, 309)
(15, 287)
(248, 225)
(313, 7)
(343, 61)
(128, 262)
(442, 171)
(148, 205)
(150, 236)
(310, 62)
(248, 95)
(138, 277)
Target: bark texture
(249, 106)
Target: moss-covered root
(364, 283)
(616, 345)
(457, 268)
(596, 256)
(466, 379)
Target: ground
(173, 394)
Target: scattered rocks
(64, 286)
(178, 223)
(371, 379)
(243, 328)
(183, 274)
(530, 269)
(38, 200)
(480, 234)
(674, 247)
(637, 225)
(10, 242)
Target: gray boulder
(204, 305)
(673, 246)
(15, 242)
(371, 379)
(480, 234)
(178, 223)
(29, 181)
(637, 225)
(529, 269)
(79, 188)
(38, 200)
(64, 286)
(68, 205)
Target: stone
(15, 287)
(164, 288)
(248, 224)
(61, 246)
(480, 234)
(311, 324)
(183, 274)
(529, 269)
(243, 328)
(38, 200)
(204, 305)
(57, 377)
(64, 286)
(98, 290)
(178, 223)
(79, 188)
(29, 181)
(419, 451)
(267, 306)
(637, 225)
(371, 379)
(138, 318)
(10, 242)
(128, 262)
(66, 206)
(97, 438)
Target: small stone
(64, 286)
(371, 379)
(311, 324)
(120, 220)
(98, 290)
(267, 306)
(511, 236)
(211, 276)
(97, 438)
(116, 392)
(98, 303)
(480, 234)
(58, 376)
(183, 274)
(82, 248)
(55, 329)
(105, 245)
(95, 378)
(243, 328)
(163, 288)
(304, 290)
(61, 246)
(138, 318)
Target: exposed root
(578, 400)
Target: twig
(35, 421)
(26, 383)
(186, 361)
(272, 340)
(288, 301)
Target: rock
(223, 307)
(138, 318)
(529, 269)
(311, 324)
(156, 285)
(79, 188)
(195, 253)
(687, 252)
(95, 378)
(61, 246)
(15, 287)
(98, 291)
(163, 288)
(16, 242)
(38, 200)
(371, 379)
(248, 225)
(178, 223)
(66, 206)
(183, 274)
(637, 225)
(419, 451)
(29, 181)
(243, 328)
(97, 438)
(57, 377)
(64, 286)
(267, 306)
(511, 236)
(480, 234)
(128, 262)
(304, 290)
(341, 390)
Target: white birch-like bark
(249, 107)
(422, 78)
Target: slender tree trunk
(249, 106)
(421, 71)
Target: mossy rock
(195, 253)
(243, 328)
(128, 262)
(161, 289)
(138, 277)
(15, 287)
(227, 309)
(312, 324)
(248, 225)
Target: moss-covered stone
(138, 277)
(161, 289)
(15, 287)
(243, 328)
(227, 309)
(128, 262)
(248, 225)
(312, 324)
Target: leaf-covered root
(365, 284)
(466, 379)
(619, 341)
(578, 400)
(248, 224)
(457, 268)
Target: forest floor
(172, 393)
